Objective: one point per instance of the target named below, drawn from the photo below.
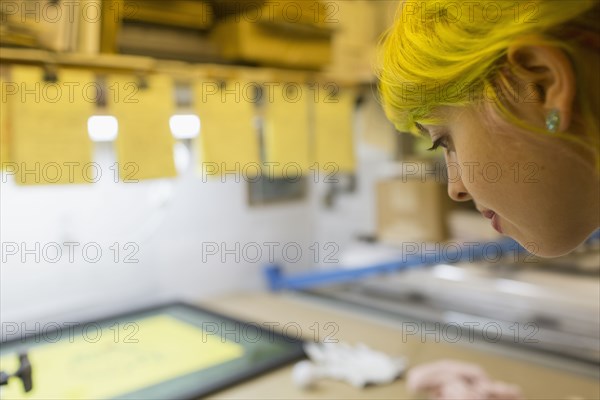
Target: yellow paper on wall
(48, 125)
(144, 142)
(333, 131)
(122, 360)
(286, 129)
(228, 139)
(4, 125)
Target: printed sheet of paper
(123, 360)
(333, 131)
(48, 121)
(144, 143)
(287, 130)
(4, 123)
(228, 138)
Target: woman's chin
(552, 251)
(550, 247)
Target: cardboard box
(412, 210)
(190, 14)
(273, 41)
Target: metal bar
(469, 251)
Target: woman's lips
(496, 223)
(495, 219)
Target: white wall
(168, 221)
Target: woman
(510, 91)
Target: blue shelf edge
(278, 280)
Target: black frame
(297, 352)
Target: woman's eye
(440, 142)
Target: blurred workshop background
(164, 172)
(160, 150)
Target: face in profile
(533, 188)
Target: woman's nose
(457, 190)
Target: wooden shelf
(73, 60)
(118, 63)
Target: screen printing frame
(295, 353)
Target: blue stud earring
(552, 121)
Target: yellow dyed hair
(452, 53)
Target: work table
(299, 314)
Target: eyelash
(439, 142)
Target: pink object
(448, 379)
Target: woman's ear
(551, 71)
